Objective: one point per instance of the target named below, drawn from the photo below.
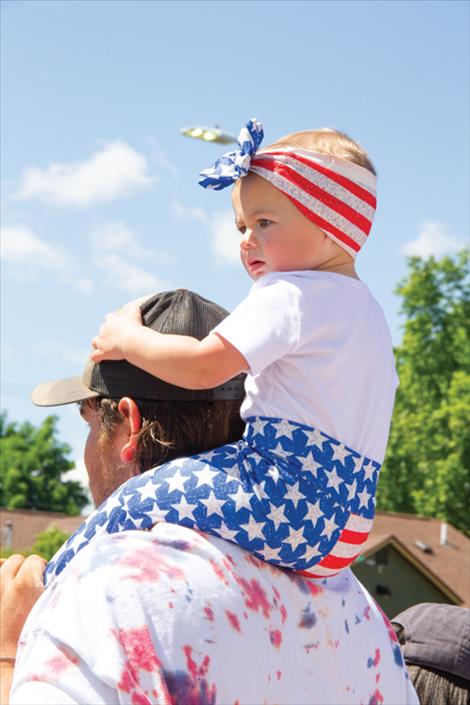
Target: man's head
(137, 421)
(435, 641)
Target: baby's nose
(247, 239)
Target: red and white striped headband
(335, 194)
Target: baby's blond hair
(327, 141)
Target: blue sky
(100, 201)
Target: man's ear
(132, 424)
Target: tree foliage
(426, 470)
(32, 463)
(48, 542)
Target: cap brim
(62, 391)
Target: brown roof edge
(422, 567)
(35, 512)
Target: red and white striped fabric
(335, 194)
(346, 550)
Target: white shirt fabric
(174, 617)
(320, 353)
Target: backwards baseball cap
(180, 312)
(437, 636)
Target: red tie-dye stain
(195, 670)
(283, 613)
(56, 665)
(253, 560)
(233, 619)
(278, 675)
(374, 662)
(256, 598)
(228, 565)
(218, 571)
(276, 638)
(377, 698)
(140, 656)
(208, 611)
(148, 567)
(313, 588)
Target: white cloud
(433, 241)
(121, 274)
(225, 237)
(113, 245)
(21, 246)
(113, 172)
(187, 213)
(161, 159)
(27, 253)
(113, 237)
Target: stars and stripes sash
(290, 494)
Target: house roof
(23, 525)
(448, 565)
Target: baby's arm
(177, 359)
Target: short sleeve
(265, 326)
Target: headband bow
(236, 164)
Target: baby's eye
(241, 229)
(264, 222)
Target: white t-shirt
(173, 617)
(320, 353)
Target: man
(174, 616)
(435, 641)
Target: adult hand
(110, 344)
(21, 583)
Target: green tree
(48, 542)
(426, 469)
(32, 464)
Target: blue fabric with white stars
(235, 164)
(284, 492)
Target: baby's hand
(110, 343)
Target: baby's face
(275, 236)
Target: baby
(299, 489)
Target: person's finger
(96, 355)
(31, 572)
(137, 302)
(11, 566)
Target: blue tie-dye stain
(346, 626)
(398, 656)
(183, 689)
(179, 545)
(308, 618)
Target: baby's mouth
(255, 263)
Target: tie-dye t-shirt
(176, 617)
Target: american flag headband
(335, 194)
